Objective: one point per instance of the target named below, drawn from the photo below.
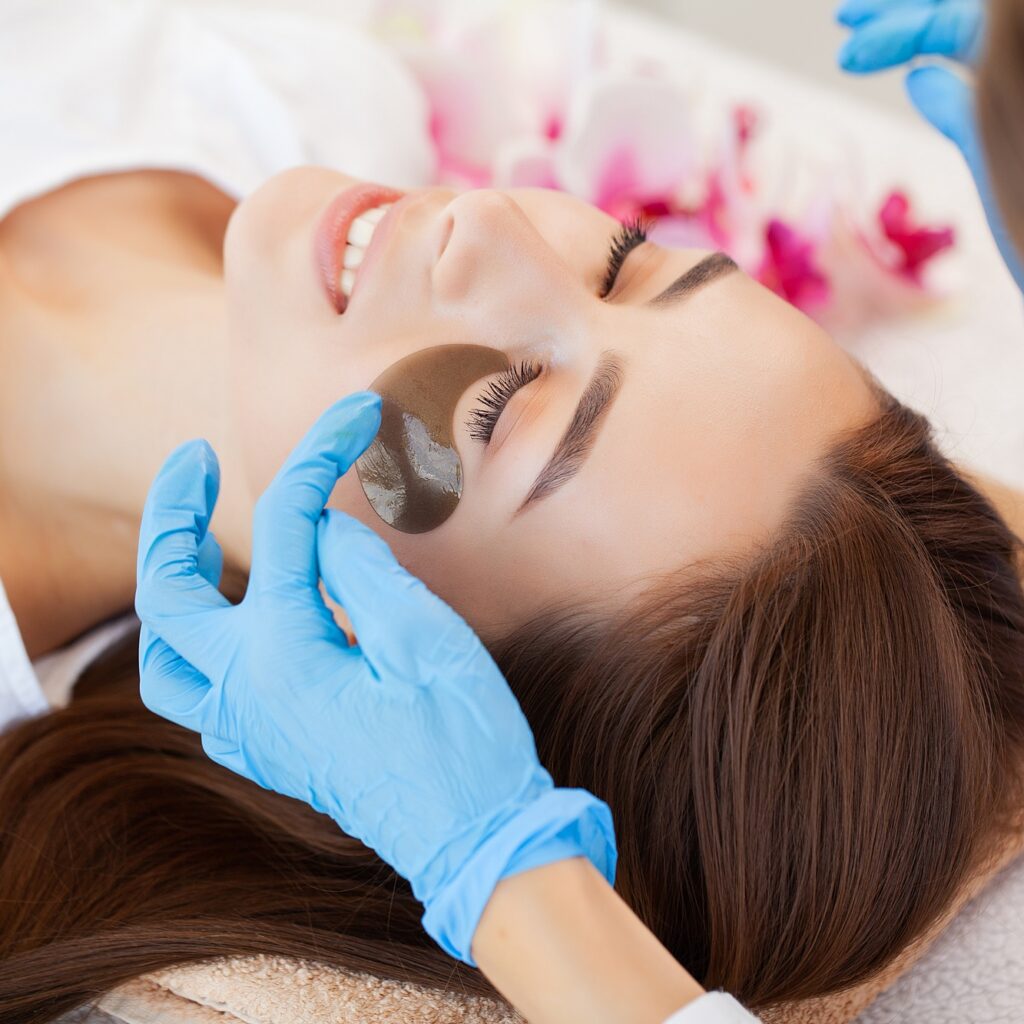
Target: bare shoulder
(98, 193)
(145, 211)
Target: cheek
(276, 387)
(455, 561)
(276, 391)
(262, 436)
(443, 558)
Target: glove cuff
(561, 823)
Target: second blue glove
(886, 33)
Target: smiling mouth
(344, 234)
(356, 243)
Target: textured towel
(271, 990)
(968, 967)
(145, 1002)
(973, 972)
(937, 963)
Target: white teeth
(361, 231)
(346, 281)
(362, 227)
(359, 235)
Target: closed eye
(631, 233)
(496, 395)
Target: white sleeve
(713, 1008)
(20, 693)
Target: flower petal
(790, 269)
(626, 139)
(526, 163)
(916, 245)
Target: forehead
(727, 401)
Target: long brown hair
(1001, 111)
(807, 752)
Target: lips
(332, 232)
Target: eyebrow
(577, 441)
(710, 268)
(574, 447)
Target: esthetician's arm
(561, 945)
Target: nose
(496, 267)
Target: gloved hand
(411, 741)
(891, 32)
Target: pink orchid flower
(879, 266)
(498, 79)
(913, 245)
(521, 96)
(789, 267)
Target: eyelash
(631, 233)
(496, 395)
(499, 391)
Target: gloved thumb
(946, 101)
(228, 755)
(210, 559)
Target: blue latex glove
(411, 741)
(891, 32)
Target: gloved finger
(226, 753)
(953, 29)
(284, 525)
(853, 13)
(947, 102)
(210, 559)
(172, 597)
(401, 627)
(169, 685)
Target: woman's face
(723, 397)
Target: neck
(117, 346)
